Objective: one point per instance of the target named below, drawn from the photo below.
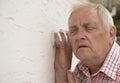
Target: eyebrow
(89, 23)
(72, 26)
(84, 24)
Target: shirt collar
(110, 65)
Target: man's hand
(63, 57)
(72, 78)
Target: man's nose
(81, 34)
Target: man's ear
(112, 33)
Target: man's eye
(90, 28)
(73, 31)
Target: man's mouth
(82, 46)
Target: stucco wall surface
(26, 38)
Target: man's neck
(94, 70)
(95, 67)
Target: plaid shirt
(108, 73)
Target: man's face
(89, 39)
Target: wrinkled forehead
(84, 14)
(85, 9)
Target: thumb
(70, 76)
(76, 79)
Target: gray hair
(105, 15)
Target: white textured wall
(26, 43)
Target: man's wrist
(60, 77)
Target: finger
(71, 78)
(57, 39)
(69, 49)
(68, 39)
(63, 36)
(76, 79)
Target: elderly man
(91, 37)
